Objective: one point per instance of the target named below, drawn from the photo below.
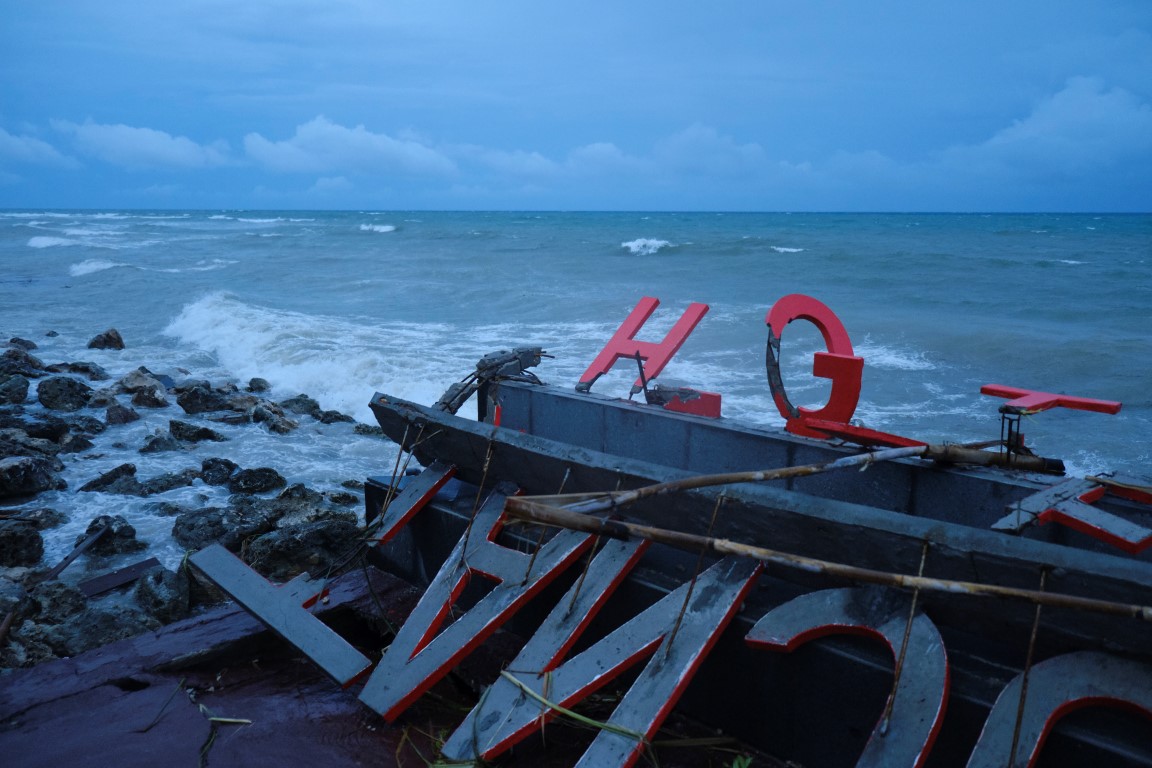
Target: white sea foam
(261, 221)
(782, 249)
(219, 217)
(645, 246)
(377, 228)
(44, 241)
(882, 356)
(93, 265)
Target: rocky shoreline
(51, 410)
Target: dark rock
(243, 402)
(110, 339)
(370, 430)
(44, 518)
(163, 594)
(27, 475)
(16, 442)
(51, 334)
(277, 423)
(86, 425)
(120, 480)
(23, 344)
(201, 399)
(119, 539)
(47, 427)
(75, 444)
(287, 552)
(63, 393)
(257, 480)
(216, 471)
(141, 379)
(12, 592)
(228, 527)
(301, 404)
(343, 498)
(53, 602)
(160, 442)
(149, 398)
(182, 430)
(17, 361)
(92, 628)
(167, 482)
(105, 397)
(120, 414)
(168, 509)
(91, 370)
(20, 543)
(258, 384)
(335, 417)
(13, 388)
(298, 492)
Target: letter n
(676, 633)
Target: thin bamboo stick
(524, 508)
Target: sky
(747, 105)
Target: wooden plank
(118, 578)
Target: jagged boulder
(168, 481)
(20, 544)
(257, 384)
(160, 441)
(276, 422)
(93, 371)
(201, 399)
(110, 339)
(189, 433)
(150, 398)
(163, 594)
(120, 538)
(217, 471)
(24, 344)
(120, 414)
(17, 361)
(28, 475)
(303, 405)
(227, 527)
(289, 551)
(120, 480)
(63, 393)
(258, 480)
(13, 388)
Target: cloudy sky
(849, 105)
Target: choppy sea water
(341, 304)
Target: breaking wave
(377, 228)
(645, 246)
(94, 265)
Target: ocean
(339, 305)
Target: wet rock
(23, 344)
(300, 493)
(28, 475)
(43, 518)
(163, 594)
(119, 539)
(168, 481)
(141, 379)
(17, 361)
(227, 527)
(110, 339)
(182, 430)
(369, 430)
(97, 626)
(150, 398)
(216, 471)
(20, 544)
(13, 388)
(276, 422)
(104, 397)
(243, 403)
(343, 498)
(93, 371)
(47, 427)
(120, 414)
(75, 444)
(292, 550)
(257, 384)
(120, 480)
(159, 441)
(12, 592)
(63, 393)
(53, 602)
(86, 425)
(201, 399)
(335, 417)
(259, 480)
(302, 404)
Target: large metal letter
(676, 634)
(418, 657)
(656, 356)
(915, 707)
(1054, 688)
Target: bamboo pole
(524, 508)
(601, 501)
